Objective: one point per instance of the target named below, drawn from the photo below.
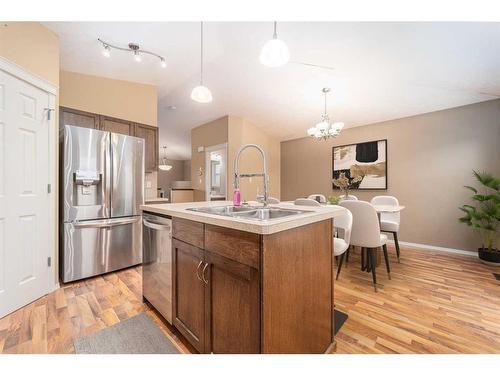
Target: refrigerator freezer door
(85, 177)
(95, 247)
(127, 154)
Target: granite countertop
(314, 214)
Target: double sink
(249, 212)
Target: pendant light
(325, 129)
(164, 166)
(200, 93)
(275, 52)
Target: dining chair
(349, 197)
(341, 245)
(389, 221)
(318, 197)
(306, 202)
(366, 234)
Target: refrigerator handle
(106, 223)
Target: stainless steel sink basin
(222, 210)
(249, 212)
(268, 213)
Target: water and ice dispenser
(87, 185)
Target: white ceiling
(381, 71)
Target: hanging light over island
(275, 52)
(201, 93)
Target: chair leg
(347, 255)
(374, 273)
(396, 242)
(363, 260)
(386, 256)
(340, 265)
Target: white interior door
(24, 200)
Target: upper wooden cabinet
(74, 117)
(150, 136)
(115, 125)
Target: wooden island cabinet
(241, 292)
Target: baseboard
(419, 246)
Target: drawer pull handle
(198, 270)
(203, 274)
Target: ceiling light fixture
(325, 129)
(200, 93)
(164, 166)
(132, 47)
(106, 52)
(275, 52)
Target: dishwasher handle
(155, 226)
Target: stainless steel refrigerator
(101, 189)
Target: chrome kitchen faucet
(264, 174)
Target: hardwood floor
(435, 303)
(50, 324)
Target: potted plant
(484, 216)
(344, 183)
(333, 199)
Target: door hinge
(49, 188)
(49, 261)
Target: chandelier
(325, 129)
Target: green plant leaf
(474, 190)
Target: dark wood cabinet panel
(73, 117)
(233, 306)
(243, 247)
(115, 125)
(188, 231)
(297, 290)
(189, 293)
(150, 136)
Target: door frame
(208, 167)
(21, 73)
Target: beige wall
(241, 131)
(165, 178)
(32, 46)
(36, 49)
(209, 134)
(430, 158)
(122, 99)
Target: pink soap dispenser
(236, 197)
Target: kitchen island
(244, 285)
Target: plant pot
(490, 257)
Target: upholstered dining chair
(341, 245)
(366, 234)
(389, 221)
(306, 202)
(318, 197)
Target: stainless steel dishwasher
(157, 262)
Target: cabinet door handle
(198, 270)
(203, 273)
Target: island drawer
(242, 247)
(188, 231)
